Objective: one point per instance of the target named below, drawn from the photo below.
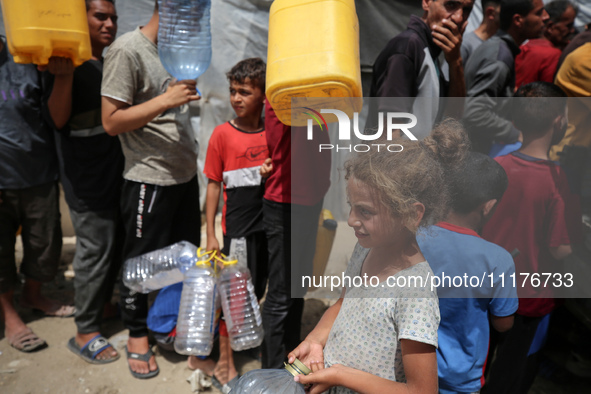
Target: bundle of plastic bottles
(210, 283)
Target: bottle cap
(297, 368)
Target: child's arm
(311, 349)
(212, 198)
(561, 252)
(119, 117)
(501, 323)
(420, 366)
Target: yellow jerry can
(39, 29)
(313, 51)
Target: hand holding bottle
(181, 92)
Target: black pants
(36, 209)
(291, 235)
(154, 217)
(512, 370)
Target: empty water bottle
(184, 37)
(238, 251)
(272, 381)
(241, 307)
(159, 268)
(197, 311)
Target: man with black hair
(491, 10)
(91, 163)
(539, 57)
(490, 73)
(409, 64)
(454, 248)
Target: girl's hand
(308, 352)
(322, 379)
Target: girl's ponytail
(448, 142)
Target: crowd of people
(116, 133)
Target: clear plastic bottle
(184, 37)
(238, 251)
(159, 268)
(197, 311)
(240, 306)
(272, 381)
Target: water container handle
(201, 253)
(226, 262)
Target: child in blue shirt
(453, 249)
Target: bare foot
(108, 353)
(13, 324)
(140, 346)
(207, 365)
(225, 370)
(32, 298)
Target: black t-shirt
(91, 161)
(27, 149)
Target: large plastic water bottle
(272, 381)
(184, 37)
(240, 306)
(197, 311)
(159, 268)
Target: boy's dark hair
(90, 1)
(512, 7)
(556, 8)
(487, 3)
(476, 180)
(538, 105)
(253, 68)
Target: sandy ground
(56, 370)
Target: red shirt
(308, 172)
(234, 157)
(537, 212)
(537, 61)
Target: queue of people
(116, 133)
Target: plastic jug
(198, 310)
(184, 37)
(240, 306)
(39, 29)
(313, 51)
(159, 268)
(272, 381)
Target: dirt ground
(56, 370)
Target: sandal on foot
(92, 349)
(26, 341)
(57, 310)
(141, 357)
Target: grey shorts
(36, 209)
